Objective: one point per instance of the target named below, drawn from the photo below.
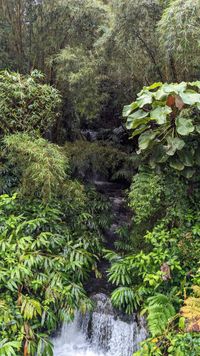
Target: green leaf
(160, 114)
(155, 85)
(174, 144)
(127, 110)
(138, 131)
(190, 98)
(146, 138)
(197, 127)
(167, 89)
(195, 84)
(136, 119)
(159, 154)
(176, 164)
(144, 99)
(186, 158)
(188, 172)
(184, 126)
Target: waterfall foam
(103, 333)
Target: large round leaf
(174, 144)
(176, 164)
(160, 114)
(190, 98)
(184, 126)
(144, 99)
(135, 119)
(186, 157)
(146, 138)
(127, 110)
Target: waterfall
(101, 333)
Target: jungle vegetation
(74, 65)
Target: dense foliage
(50, 224)
(90, 49)
(26, 104)
(162, 278)
(96, 55)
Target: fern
(160, 310)
(191, 311)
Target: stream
(101, 333)
(105, 331)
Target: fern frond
(160, 310)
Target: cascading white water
(102, 333)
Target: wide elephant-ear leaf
(174, 144)
(139, 130)
(128, 109)
(188, 172)
(190, 98)
(160, 114)
(146, 138)
(186, 157)
(184, 126)
(170, 89)
(144, 99)
(176, 164)
(158, 156)
(179, 102)
(135, 119)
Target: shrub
(26, 104)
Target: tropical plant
(160, 310)
(166, 119)
(44, 263)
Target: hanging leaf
(176, 164)
(138, 131)
(135, 119)
(127, 110)
(146, 138)
(188, 172)
(197, 127)
(174, 144)
(137, 122)
(179, 102)
(186, 158)
(184, 126)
